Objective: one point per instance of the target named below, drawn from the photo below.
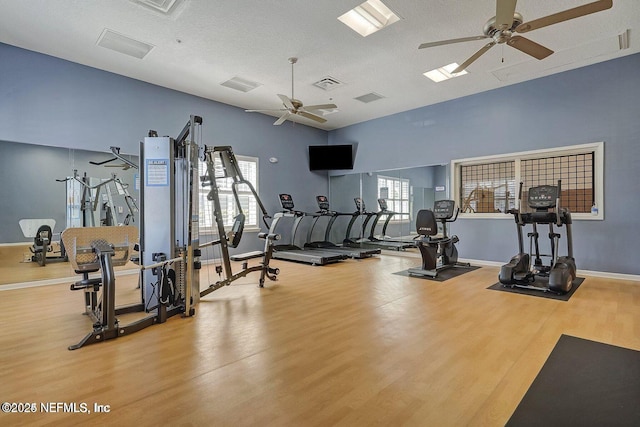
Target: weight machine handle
(269, 236)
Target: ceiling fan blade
(443, 42)
(565, 15)
(282, 118)
(504, 13)
(529, 47)
(312, 116)
(286, 101)
(475, 56)
(320, 107)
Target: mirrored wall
(66, 187)
(401, 193)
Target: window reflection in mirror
(402, 191)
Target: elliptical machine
(438, 253)
(520, 271)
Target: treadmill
(325, 211)
(355, 241)
(384, 210)
(291, 252)
(370, 241)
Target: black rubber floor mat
(583, 383)
(541, 282)
(443, 275)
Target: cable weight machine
(229, 169)
(168, 240)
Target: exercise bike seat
(43, 237)
(426, 224)
(427, 228)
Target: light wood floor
(349, 344)
(16, 266)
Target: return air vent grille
(328, 83)
(238, 83)
(123, 44)
(369, 97)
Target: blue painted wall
(53, 102)
(596, 103)
(49, 101)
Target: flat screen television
(330, 157)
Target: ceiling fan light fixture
(444, 73)
(369, 17)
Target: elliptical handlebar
(558, 218)
(452, 219)
(516, 210)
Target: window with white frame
(486, 186)
(396, 192)
(249, 169)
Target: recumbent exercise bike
(438, 253)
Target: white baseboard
(17, 244)
(58, 281)
(604, 274)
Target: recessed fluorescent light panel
(243, 85)
(444, 73)
(123, 44)
(369, 17)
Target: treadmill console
(543, 197)
(286, 201)
(359, 204)
(444, 209)
(383, 204)
(323, 203)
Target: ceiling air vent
(238, 83)
(166, 7)
(369, 97)
(328, 83)
(123, 44)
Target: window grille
(489, 185)
(576, 173)
(396, 192)
(249, 169)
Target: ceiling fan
(294, 106)
(501, 29)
